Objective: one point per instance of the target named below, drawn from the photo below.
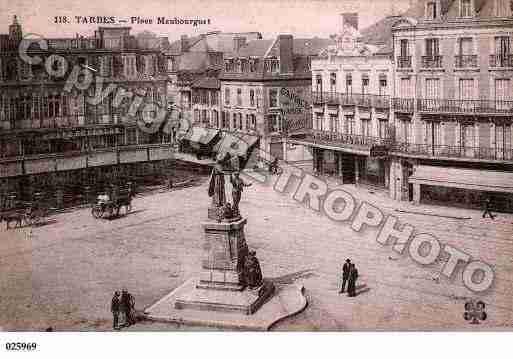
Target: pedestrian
(487, 210)
(128, 307)
(353, 276)
(131, 316)
(345, 274)
(114, 308)
(124, 308)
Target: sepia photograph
(235, 166)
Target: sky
(301, 18)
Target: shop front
(466, 188)
(372, 171)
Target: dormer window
(431, 13)
(466, 8)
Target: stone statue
(252, 271)
(216, 188)
(237, 187)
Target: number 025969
(13, 346)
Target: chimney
(184, 43)
(286, 45)
(238, 42)
(349, 18)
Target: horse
(12, 217)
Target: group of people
(123, 309)
(349, 276)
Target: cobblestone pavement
(62, 274)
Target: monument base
(286, 301)
(245, 301)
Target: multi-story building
(55, 139)
(265, 86)
(453, 103)
(206, 93)
(351, 87)
(190, 58)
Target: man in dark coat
(252, 270)
(127, 307)
(114, 308)
(345, 274)
(351, 286)
(487, 210)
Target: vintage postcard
(307, 165)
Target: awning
(201, 135)
(234, 145)
(473, 179)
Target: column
(88, 194)
(391, 179)
(336, 162)
(416, 193)
(59, 196)
(476, 135)
(356, 171)
(340, 169)
(457, 134)
(320, 161)
(493, 141)
(387, 165)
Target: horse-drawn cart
(30, 213)
(106, 207)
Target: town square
(348, 173)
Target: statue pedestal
(221, 285)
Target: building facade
(352, 81)
(453, 103)
(190, 59)
(54, 137)
(265, 87)
(351, 87)
(420, 104)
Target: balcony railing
(344, 99)
(465, 61)
(431, 62)
(403, 104)
(331, 98)
(465, 106)
(340, 139)
(485, 153)
(501, 60)
(404, 62)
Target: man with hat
(351, 285)
(345, 274)
(114, 308)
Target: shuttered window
(503, 90)
(466, 89)
(432, 88)
(502, 45)
(366, 127)
(405, 88)
(466, 46)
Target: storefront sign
(295, 108)
(379, 151)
